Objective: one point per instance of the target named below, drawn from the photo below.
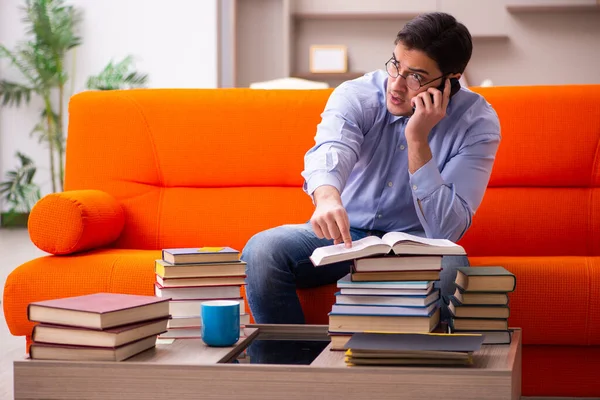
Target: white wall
(175, 42)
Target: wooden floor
(16, 248)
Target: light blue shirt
(360, 149)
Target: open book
(399, 243)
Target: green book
(485, 279)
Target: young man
(378, 166)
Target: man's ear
(457, 76)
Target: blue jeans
(277, 263)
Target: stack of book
(96, 327)
(390, 285)
(411, 349)
(480, 303)
(191, 276)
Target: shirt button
(402, 147)
(379, 215)
(390, 184)
(414, 187)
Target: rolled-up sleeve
(337, 142)
(446, 200)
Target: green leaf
(121, 75)
(18, 190)
(54, 24)
(13, 93)
(27, 70)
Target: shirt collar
(394, 118)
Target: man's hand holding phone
(430, 108)
(330, 219)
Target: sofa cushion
(543, 198)
(68, 222)
(536, 221)
(197, 167)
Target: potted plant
(19, 192)
(41, 60)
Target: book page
(357, 245)
(392, 238)
(340, 249)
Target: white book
(399, 243)
(414, 301)
(395, 263)
(196, 321)
(342, 309)
(385, 292)
(186, 308)
(197, 292)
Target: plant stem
(72, 76)
(61, 142)
(51, 138)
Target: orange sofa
(150, 169)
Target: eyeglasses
(413, 81)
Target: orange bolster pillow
(77, 220)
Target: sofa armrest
(73, 221)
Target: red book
(99, 310)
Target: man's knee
(450, 265)
(455, 261)
(270, 249)
(264, 245)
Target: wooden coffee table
(187, 369)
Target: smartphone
(454, 88)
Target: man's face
(420, 66)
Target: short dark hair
(441, 37)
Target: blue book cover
(398, 311)
(377, 313)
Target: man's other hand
(330, 219)
(428, 112)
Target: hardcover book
(405, 348)
(192, 255)
(398, 243)
(477, 310)
(48, 351)
(366, 342)
(485, 279)
(112, 337)
(347, 282)
(168, 270)
(99, 310)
